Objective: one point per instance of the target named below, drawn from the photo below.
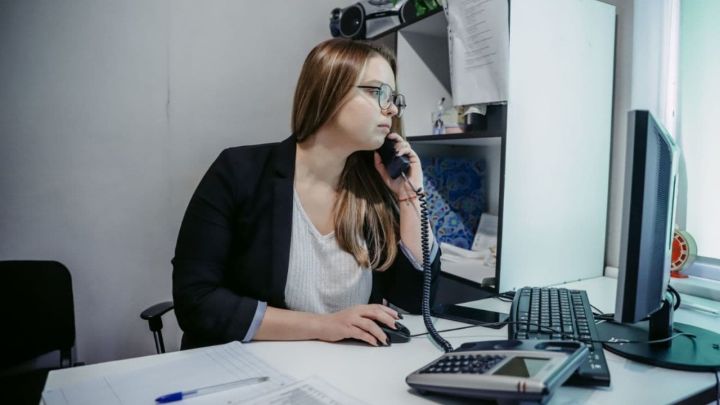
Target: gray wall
(110, 112)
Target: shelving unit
(547, 149)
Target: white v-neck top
(322, 278)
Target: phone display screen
(522, 367)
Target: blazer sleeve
(205, 308)
(402, 284)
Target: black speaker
(368, 18)
(352, 22)
(408, 12)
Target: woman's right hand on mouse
(358, 322)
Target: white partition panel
(558, 142)
(422, 82)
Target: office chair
(154, 315)
(37, 312)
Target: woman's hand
(399, 186)
(358, 322)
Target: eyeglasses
(385, 97)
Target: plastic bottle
(438, 124)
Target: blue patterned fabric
(456, 197)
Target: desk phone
(503, 370)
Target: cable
(506, 296)
(563, 335)
(717, 386)
(677, 297)
(612, 341)
(427, 270)
(604, 317)
(615, 341)
(625, 341)
(610, 317)
(446, 330)
(599, 312)
(483, 324)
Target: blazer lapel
(284, 165)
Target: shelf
(483, 138)
(433, 24)
(491, 133)
(433, 27)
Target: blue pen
(180, 395)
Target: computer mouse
(399, 335)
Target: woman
(303, 239)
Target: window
(699, 130)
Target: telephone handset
(395, 165)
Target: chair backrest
(37, 312)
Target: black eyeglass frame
(396, 99)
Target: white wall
(622, 90)
(652, 60)
(558, 141)
(110, 112)
(643, 80)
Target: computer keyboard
(560, 314)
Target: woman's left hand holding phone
(399, 186)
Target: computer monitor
(644, 307)
(648, 218)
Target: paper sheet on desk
(311, 391)
(202, 368)
(479, 37)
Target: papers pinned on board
(479, 37)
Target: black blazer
(234, 245)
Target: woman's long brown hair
(366, 214)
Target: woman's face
(361, 122)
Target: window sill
(703, 280)
(705, 267)
(698, 287)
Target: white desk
(377, 375)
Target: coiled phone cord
(427, 271)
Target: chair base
(24, 388)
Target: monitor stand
(699, 353)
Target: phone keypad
(463, 364)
